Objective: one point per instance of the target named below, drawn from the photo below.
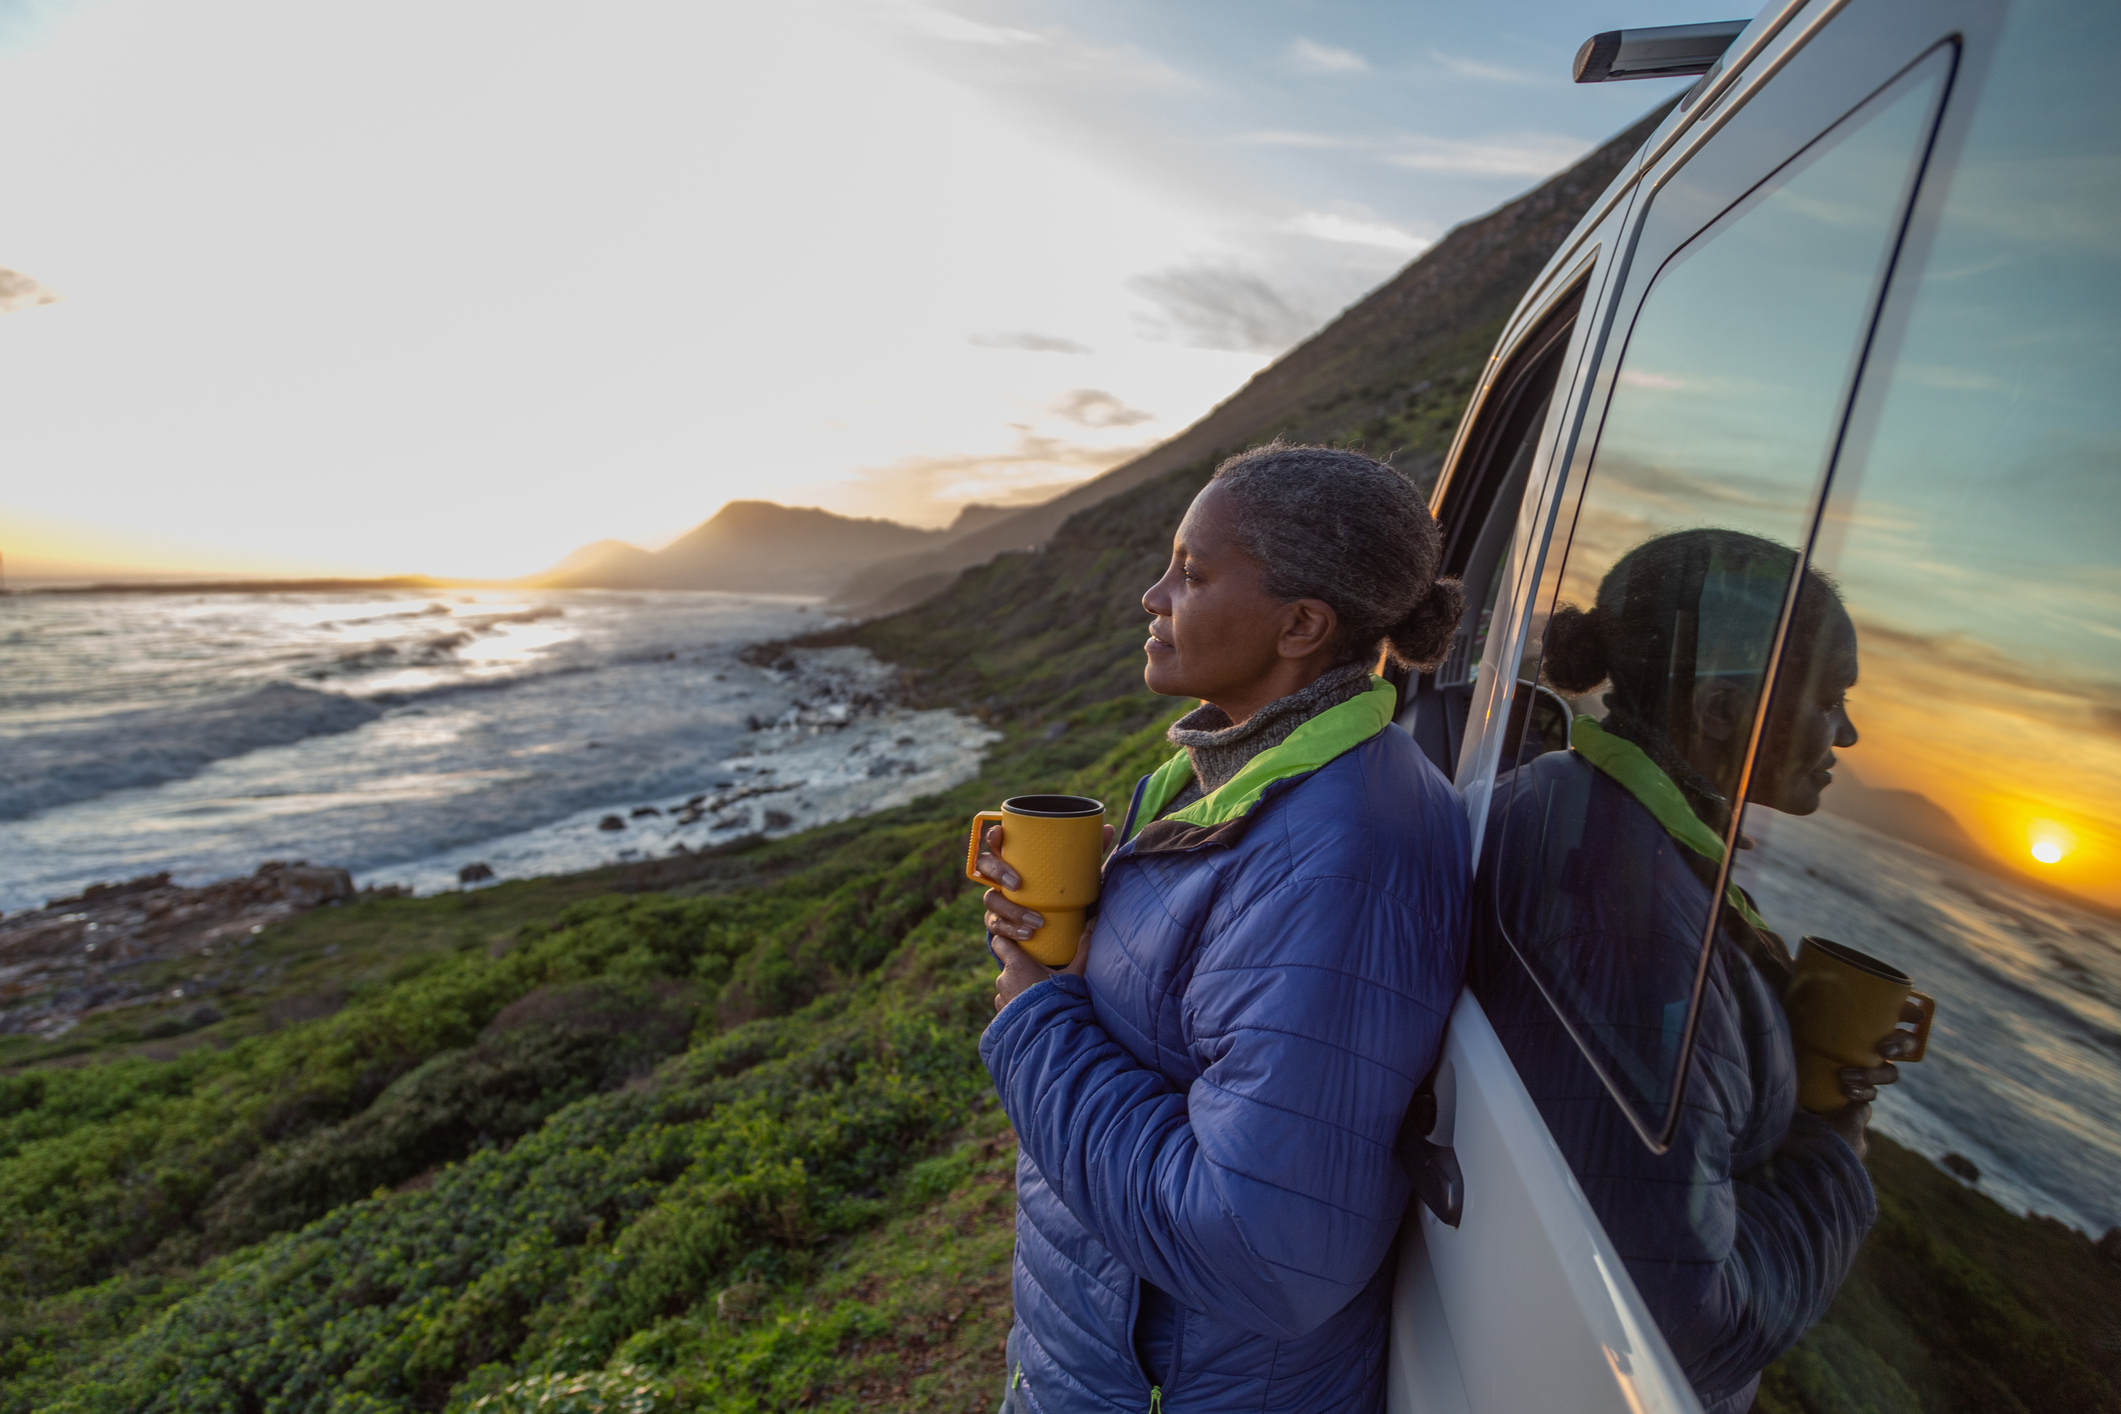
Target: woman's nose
(1844, 730)
(1157, 601)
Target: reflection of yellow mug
(1055, 844)
(1841, 1004)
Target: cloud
(1029, 342)
(18, 291)
(942, 24)
(1094, 407)
(1475, 69)
(1533, 155)
(1272, 138)
(1211, 306)
(1014, 56)
(1036, 469)
(1350, 230)
(1309, 57)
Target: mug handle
(994, 817)
(1928, 1004)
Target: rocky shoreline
(847, 744)
(81, 956)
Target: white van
(1857, 300)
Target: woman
(1595, 876)
(1208, 1096)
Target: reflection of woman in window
(1600, 868)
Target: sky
(455, 287)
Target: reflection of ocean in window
(1972, 531)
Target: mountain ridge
(759, 547)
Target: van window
(1940, 785)
(1479, 507)
(1725, 411)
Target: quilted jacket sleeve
(1267, 1192)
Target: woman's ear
(1723, 713)
(1308, 626)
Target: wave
(149, 747)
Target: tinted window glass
(1962, 821)
(1725, 411)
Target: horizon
(466, 304)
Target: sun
(2051, 843)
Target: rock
(2111, 1245)
(1961, 1166)
(1056, 731)
(474, 873)
(611, 822)
(303, 884)
(778, 819)
(204, 1014)
(640, 810)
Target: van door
(1701, 401)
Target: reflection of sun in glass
(2051, 842)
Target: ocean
(407, 735)
(2023, 1074)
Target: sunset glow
(2051, 843)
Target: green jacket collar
(1634, 772)
(1329, 734)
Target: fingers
(1896, 1045)
(1109, 833)
(991, 866)
(1911, 1011)
(1860, 1083)
(1011, 920)
(1850, 1122)
(1019, 971)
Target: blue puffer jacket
(1207, 1118)
(1739, 1235)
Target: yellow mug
(1841, 1003)
(1055, 843)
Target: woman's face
(1217, 633)
(1807, 720)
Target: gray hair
(1335, 525)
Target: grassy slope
(712, 1133)
(499, 1177)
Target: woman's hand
(1860, 1083)
(1009, 924)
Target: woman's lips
(1155, 644)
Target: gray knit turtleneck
(1219, 750)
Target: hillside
(1391, 373)
(745, 547)
(711, 1133)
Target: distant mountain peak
(758, 547)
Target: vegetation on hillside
(713, 1134)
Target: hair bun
(1424, 636)
(1575, 658)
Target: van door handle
(1424, 1149)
